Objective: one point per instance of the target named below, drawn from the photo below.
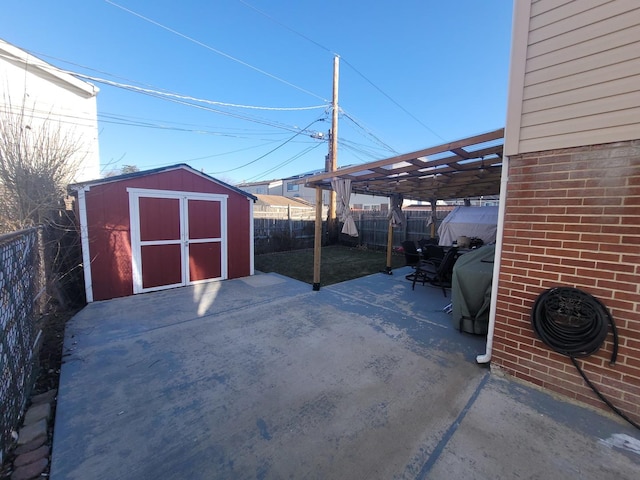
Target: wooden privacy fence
(281, 230)
(373, 227)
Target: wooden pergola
(466, 168)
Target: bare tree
(38, 159)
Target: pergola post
(434, 217)
(317, 241)
(389, 247)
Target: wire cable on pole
(215, 50)
(270, 151)
(326, 49)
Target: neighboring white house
(287, 187)
(46, 93)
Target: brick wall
(573, 219)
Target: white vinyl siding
(48, 95)
(581, 81)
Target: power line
(345, 61)
(190, 98)
(114, 119)
(185, 100)
(105, 119)
(393, 101)
(368, 132)
(167, 93)
(229, 153)
(270, 151)
(229, 114)
(165, 125)
(364, 149)
(47, 115)
(215, 50)
(157, 92)
(287, 27)
(181, 99)
(173, 162)
(285, 163)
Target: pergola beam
(466, 168)
(322, 179)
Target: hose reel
(575, 324)
(572, 322)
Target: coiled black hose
(574, 323)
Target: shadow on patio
(263, 378)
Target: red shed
(162, 228)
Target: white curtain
(343, 193)
(396, 215)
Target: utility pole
(332, 164)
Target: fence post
(41, 282)
(389, 247)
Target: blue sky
(413, 74)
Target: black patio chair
(433, 252)
(424, 242)
(411, 254)
(437, 272)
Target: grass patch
(337, 263)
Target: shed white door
(177, 238)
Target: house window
(261, 190)
(293, 187)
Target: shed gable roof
(180, 166)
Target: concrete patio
(263, 378)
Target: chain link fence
(21, 286)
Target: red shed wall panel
(572, 218)
(239, 237)
(108, 225)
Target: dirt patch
(47, 371)
(50, 358)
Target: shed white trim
(136, 242)
(84, 240)
(251, 238)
